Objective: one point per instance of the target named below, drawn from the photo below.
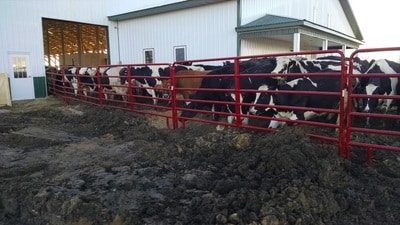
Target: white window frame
(152, 55)
(184, 53)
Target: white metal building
(22, 54)
(162, 31)
(220, 28)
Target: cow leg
(75, 87)
(245, 120)
(367, 122)
(273, 124)
(153, 95)
(216, 108)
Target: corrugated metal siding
(299, 9)
(207, 32)
(264, 46)
(21, 26)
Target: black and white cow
(150, 77)
(114, 81)
(80, 78)
(281, 104)
(305, 75)
(247, 68)
(87, 80)
(378, 85)
(70, 79)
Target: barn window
(180, 53)
(19, 67)
(148, 55)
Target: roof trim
(352, 19)
(162, 9)
(278, 24)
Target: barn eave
(163, 9)
(271, 25)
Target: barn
(42, 33)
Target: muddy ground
(84, 165)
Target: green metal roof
(270, 20)
(163, 9)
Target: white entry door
(21, 80)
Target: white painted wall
(258, 46)
(21, 25)
(206, 31)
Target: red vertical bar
(99, 86)
(342, 109)
(78, 83)
(237, 92)
(63, 86)
(369, 156)
(173, 97)
(130, 91)
(349, 105)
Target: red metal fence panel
(385, 124)
(225, 80)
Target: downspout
(239, 22)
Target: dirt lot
(83, 165)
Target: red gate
(356, 121)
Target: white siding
(264, 46)
(207, 32)
(299, 9)
(21, 25)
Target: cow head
(261, 99)
(370, 104)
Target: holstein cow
(379, 85)
(334, 63)
(311, 78)
(70, 80)
(76, 79)
(250, 67)
(87, 80)
(114, 81)
(280, 105)
(150, 77)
